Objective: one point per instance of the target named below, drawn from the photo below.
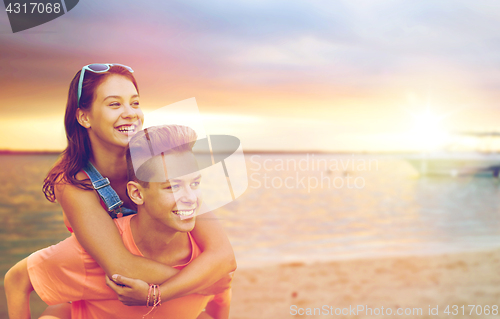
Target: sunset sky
(354, 75)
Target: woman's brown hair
(79, 151)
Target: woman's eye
(135, 104)
(114, 104)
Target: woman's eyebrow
(119, 97)
(112, 97)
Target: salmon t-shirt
(66, 272)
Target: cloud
(267, 56)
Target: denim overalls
(108, 195)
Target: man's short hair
(155, 141)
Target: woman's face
(115, 114)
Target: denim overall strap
(105, 191)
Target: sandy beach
(471, 278)
(407, 283)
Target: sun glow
(427, 132)
(44, 133)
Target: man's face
(175, 202)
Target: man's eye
(195, 184)
(173, 187)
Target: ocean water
(367, 206)
(297, 208)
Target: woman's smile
(127, 129)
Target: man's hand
(219, 287)
(131, 292)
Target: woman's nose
(129, 112)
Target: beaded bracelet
(156, 300)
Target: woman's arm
(200, 270)
(97, 233)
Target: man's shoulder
(123, 224)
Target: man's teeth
(183, 212)
(130, 128)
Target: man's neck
(160, 244)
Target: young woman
(101, 113)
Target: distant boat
(456, 160)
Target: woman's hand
(131, 292)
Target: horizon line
(251, 151)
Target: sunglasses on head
(97, 68)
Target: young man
(164, 183)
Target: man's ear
(134, 192)
(82, 118)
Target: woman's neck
(110, 162)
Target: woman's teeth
(126, 129)
(183, 212)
